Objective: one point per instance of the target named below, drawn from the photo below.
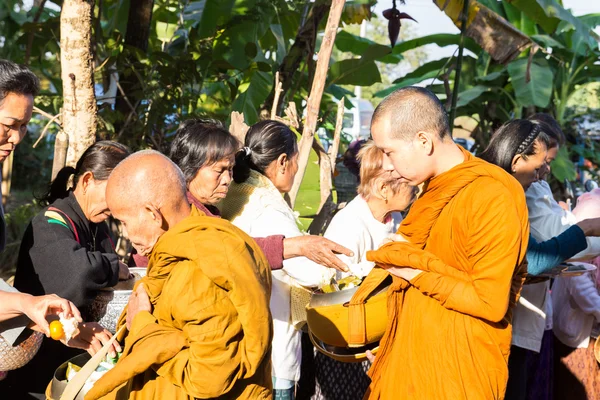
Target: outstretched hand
(318, 249)
(38, 308)
(91, 336)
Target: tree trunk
(316, 93)
(139, 21)
(79, 117)
(303, 47)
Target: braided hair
(517, 137)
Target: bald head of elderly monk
(198, 324)
(147, 193)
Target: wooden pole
(316, 93)
(337, 133)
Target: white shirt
(533, 313)
(258, 208)
(355, 228)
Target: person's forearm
(11, 305)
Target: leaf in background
(165, 31)
(354, 72)
(441, 39)
(350, 43)
(358, 71)
(356, 12)
(562, 167)
(281, 50)
(208, 14)
(490, 77)
(467, 96)
(252, 92)
(554, 10)
(539, 89)
(547, 41)
(537, 14)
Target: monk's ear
(425, 142)
(154, 216)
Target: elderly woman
(263, 172)
(363, 225)
(205, 151)
(67, 250)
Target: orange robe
(210, 331)
(449, 329)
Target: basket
(300, 297)
(13, 357)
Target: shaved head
(147, 193)
(410, 110)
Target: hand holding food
(37, 308)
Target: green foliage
(538, 90)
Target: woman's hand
(124, 273)
(318, 249)
(138, 301)
(91, 336)
(38, 308)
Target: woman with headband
(520, 147)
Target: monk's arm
(495, 240)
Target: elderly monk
(204, 328)
(459, 272)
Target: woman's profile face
(211, 183)
(527, 171)
(96, 209)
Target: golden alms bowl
(334, 332)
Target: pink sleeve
(272, 246)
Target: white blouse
(257, 207)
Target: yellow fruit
(56, 330)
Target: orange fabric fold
(209, 334)
(449, 329)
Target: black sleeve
(66, 268)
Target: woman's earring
(385, 198)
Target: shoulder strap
(357, 325)
(71, 223)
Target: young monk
(199, 324)
(459, 273)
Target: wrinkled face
(403, 198)
(211, 183)
(550, 156)
(407, 158)
(140, 225)
(96, 209)
(527, 171)
(15, 113)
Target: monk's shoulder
(487, 191)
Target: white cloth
(577, 306)
(534, 310)
(261, 211)
(355, 228)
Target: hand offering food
(63, 329)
